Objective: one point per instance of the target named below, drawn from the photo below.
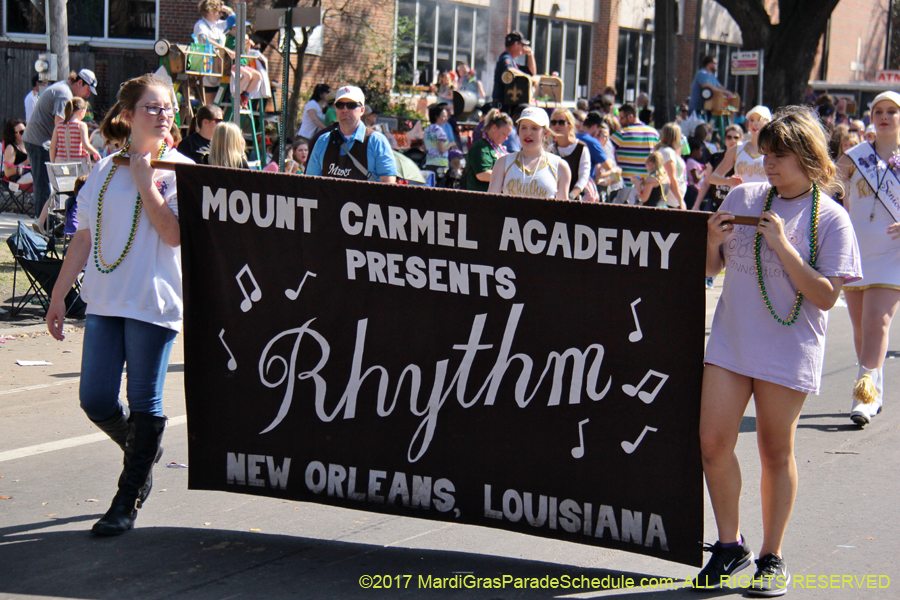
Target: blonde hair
(73, 106)
(669, 137)
(227, 146)
(114, 127)
(495, 118)
(566, 114)
(797, 130)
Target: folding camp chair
(62, 184)
(32, 253)
(15, 197)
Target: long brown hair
(797, 130)
(73, 106)
(129, 94)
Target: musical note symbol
(578, 451)
(635, 336)
(628, 447)
(232, 363)
(254, 296)
(646, 397)
(293, 294)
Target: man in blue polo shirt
(589, 134)
(351, 151)
(705, 78)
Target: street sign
(274, 18)
(887, 77)
(745, 63)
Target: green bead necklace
(101, 264)
(813, 244)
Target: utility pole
(58, 28)
(664, 63)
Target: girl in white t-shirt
(669, 147)
(768, 334)
(745, 158)
(532, 171)
(129, 237)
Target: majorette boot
(865, 396)
(141, 451)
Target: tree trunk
(790, 46)
(664, 57)
(59, 37)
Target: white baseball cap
(536, 115)
(762, 111)
(350, 92)
(87, 76)
(870, 128)
(892, 96)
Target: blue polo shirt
(697, 101)
(380, 156)
(598, 156)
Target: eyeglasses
(155, 110)
(560, 122)
(350, 105)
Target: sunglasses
(732, 137)
(20, 131)
(853, 130)
(554, 122)
(350, 105)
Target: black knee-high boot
(141, 451)
(118, 427)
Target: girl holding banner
(871, 171)
(532, 171)
(768, 334)
(128, 216)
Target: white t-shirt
(669, 154)
(146, 286)
(745, 337)
(30, 101)
(308, 128)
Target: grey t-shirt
(51, 102)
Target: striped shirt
(68, 142)
(633, 144)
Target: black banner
(506, 362)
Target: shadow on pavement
(164, 562)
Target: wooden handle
(745, 220)
(165, 165)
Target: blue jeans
(38, 156)
(110, 343)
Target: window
(634, 72)
(434, 36)
(562, 47)
(103, 19)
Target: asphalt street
(58, 473)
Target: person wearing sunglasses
(352, 151)
(196, 144)
(15, 158)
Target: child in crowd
(250, 77)
(694, 167)
(70, 141)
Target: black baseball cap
(514, 36)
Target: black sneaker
(723, 563)
(771, 578)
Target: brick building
(592, 43)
